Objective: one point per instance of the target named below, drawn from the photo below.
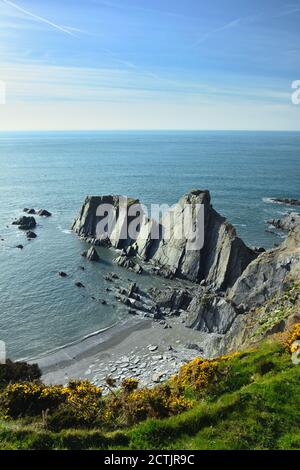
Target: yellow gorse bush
(294, 335)
(130, 384)
(84, 402)
(32, 398)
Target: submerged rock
(79, 284)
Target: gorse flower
(294, 335)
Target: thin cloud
(210, 34)
(58, 27)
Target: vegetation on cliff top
(248, 400)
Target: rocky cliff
(264, 278)
(219, 263)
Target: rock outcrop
(262, 279)
(220, 261)
(92, 254)
(44, 213)
(288, 201)
(25, 223)
(267, 274)
(288, 222)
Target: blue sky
(149, 64)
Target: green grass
(256, 405)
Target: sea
(40, 311)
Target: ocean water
(40, 311)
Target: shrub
(22, 399)
(31, 399)
(13, 372)
(294, 335)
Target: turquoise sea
(40, 311)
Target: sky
(149, 64)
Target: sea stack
(220, 262)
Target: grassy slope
(255, 406)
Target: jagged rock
(292, 320)
(44, 213)
(220, 261)
(129, 263)
(258, 249)
(92, 254)
(289, 201)
(174, 299)
(288, 222)
(267, 274)
(29, 211)
(88, 223)
(194, 347)
(210, 313)
(25, 223)
(31, 235)
(133, 289)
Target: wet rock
(288, 201)
(79, 284)
(25, 223)
(153, 348)
(133, 289)
(288, 222)
(258, 249)
(31, 235)
(44, 213)
(62, 274)
(29, 211)
(20, 247)
(92, 254)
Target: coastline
(123, 351)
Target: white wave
(64, 230)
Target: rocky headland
(215, 300)
(227, 278)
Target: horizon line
(149, 130)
